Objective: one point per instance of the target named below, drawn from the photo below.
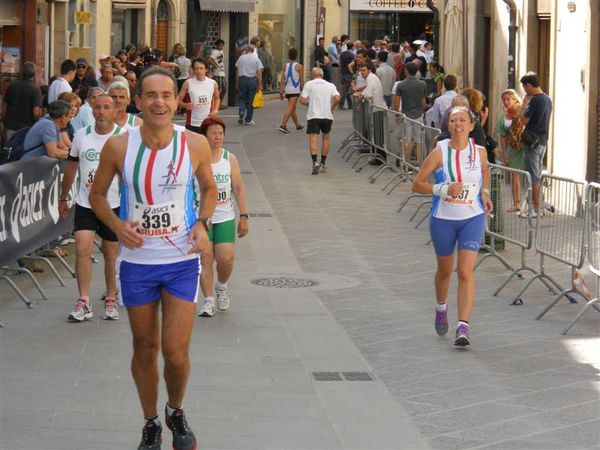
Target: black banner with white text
(29, 194)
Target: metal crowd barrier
(506, 224)
(588, 212)
(559, 234)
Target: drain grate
(285, 282)
(261, 215)
(327, 376)
(357, 376)
(337, 376)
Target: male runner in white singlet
(161, 236)
(85, 155)
(203, 94)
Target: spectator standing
(412, 92)
(266, 58)
(346, 58)
(477, 107)
(373, 92)
(103, 60)
(203, 95)
(131, 78)
(183, 62)
(290, 87)
(218, 56)
(358, 83)
(321, 97)
(85, 117)
(43, 139)
(68, 133)
(62, 83)
(106, 76)
(83, 79)
(537, 109)
(437, 73)
(84, 157)
(248, 81)
(22, 102)
(394, 50)
(443, 102)
(387, 76)
(334, 52)
(135, 63)
(509, 128)
(321, 58)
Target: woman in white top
(461, 198)
(228, 177)
(290, 86)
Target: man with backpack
(22, 105)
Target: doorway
(238, 38)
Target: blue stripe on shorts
(142, 283)
(445, 234)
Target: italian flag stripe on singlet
(457, 162)
(136, 173)
(449, 162)
(181, 150)
(472, 159)
(148, 177)
(146, 173)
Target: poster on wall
(9, 59)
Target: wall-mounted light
(572, 6)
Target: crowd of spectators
(41, 120)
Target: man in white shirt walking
(321, 97)
(61, 84)
(247, 82)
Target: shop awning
(8, 14)
(242, 6)
(129, 4)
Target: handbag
(529, 138)
(257, 102)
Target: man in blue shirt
(537, 109)
(43, 139)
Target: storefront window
(279, 25)
(399, 26)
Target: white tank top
(158, 192)
(87, 146)
(292, 79)
(222, 173)
(201, 94)
(459, 166)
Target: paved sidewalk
(521, 385)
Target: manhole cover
(285, 282)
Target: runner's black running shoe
(151, 436)
(183, 437)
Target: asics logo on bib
(221, 178)
(158, 210)
(91, 155)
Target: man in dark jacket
(22, 105)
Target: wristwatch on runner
(206, 221)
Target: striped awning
(129, 4)
(243, 6)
